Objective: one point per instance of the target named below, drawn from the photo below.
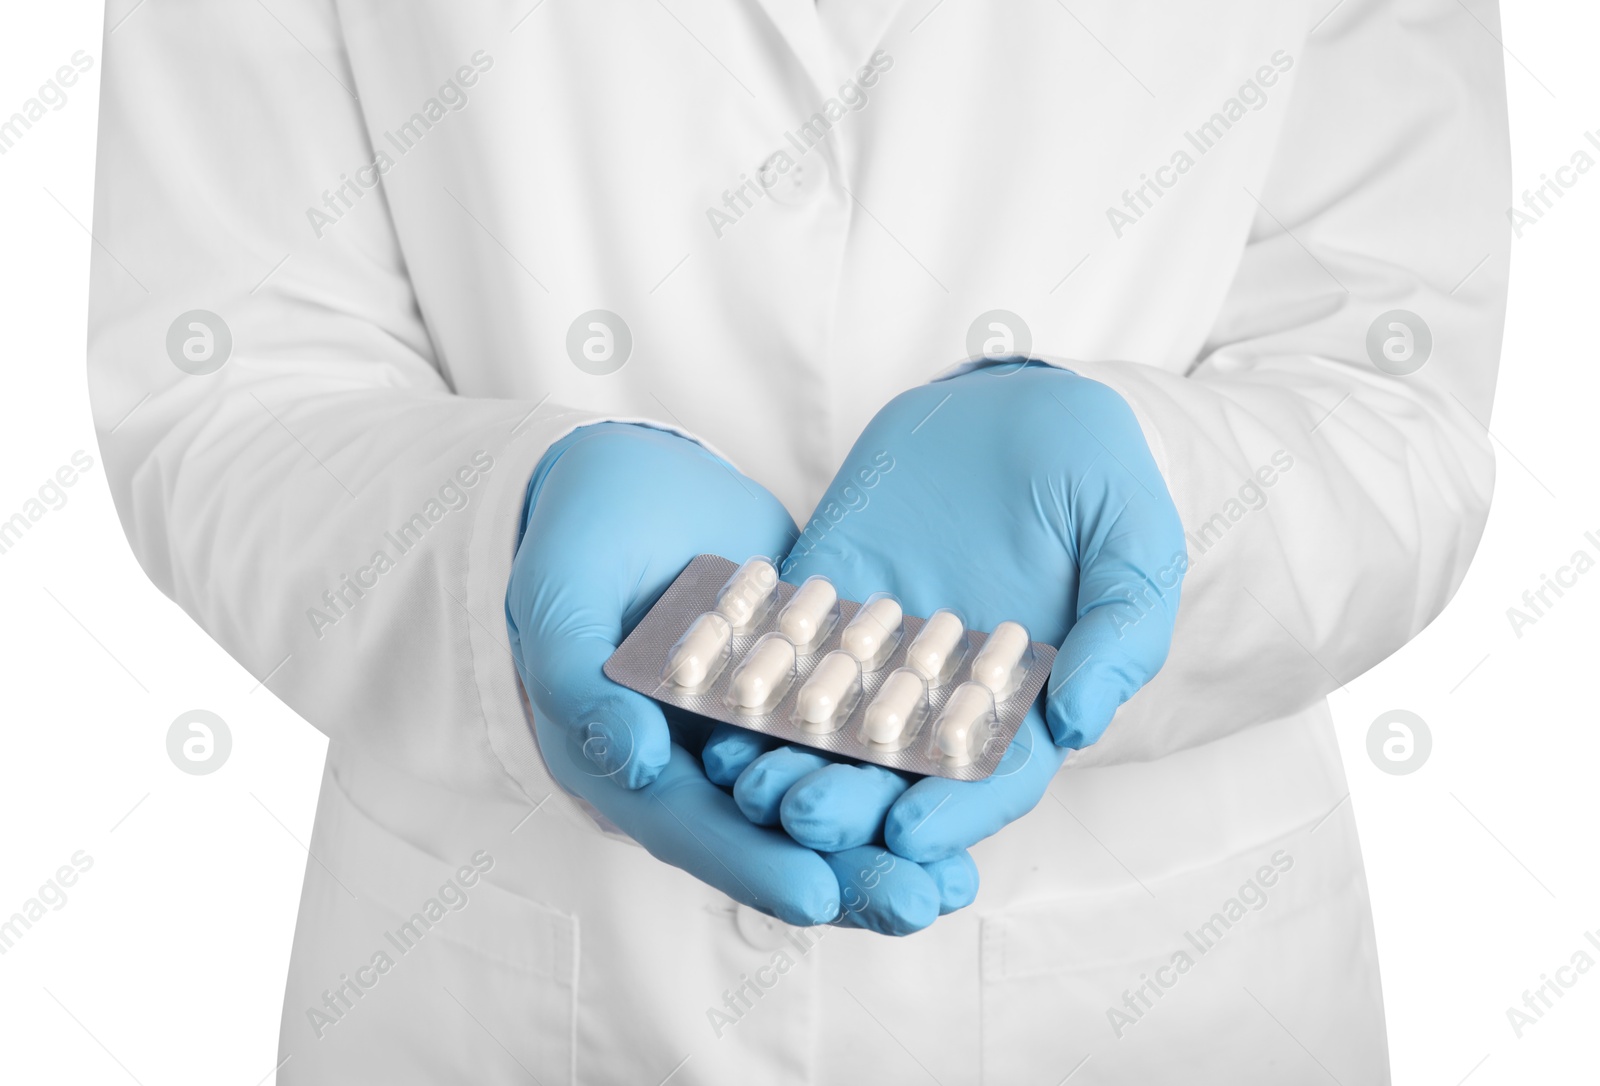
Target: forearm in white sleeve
(323, 505)
(1331, 507)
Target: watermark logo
(51, 495)
(599, 342)
(1251, 97)
(786, 174)
(51, 897)
(1537, 602)
(52, 94)
(1399, 342)
(199, 742)
(1252, 897)
(1252, 497)
(599, 751)
(999, 333)
(345, 596)
(852, 497)
(1399, 742)
(451, 97)
(1536, 1002)
(795, 182)
(1537, 202)
(199, 342)
(451, 897)
(740, 999)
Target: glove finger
(617, 732)
(1132, 559)
(883, 893)
(730, 749)
(1107, 656)
(957, 880)
(684, 820)
(938, 818)
(760, 789)
(841, 806)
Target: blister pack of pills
(855, 678)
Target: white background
(167, 962)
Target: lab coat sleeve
(1387, 191)
(324, 505)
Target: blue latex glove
(1017, 491)
(614, 512)
(840, 835)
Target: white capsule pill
(698, 651)
(937, 639)
(747, 590)
(874, 625)
(807, 610)
(964, 723)
(998, 659)
(830, 686)
(891, 712)
(763, 674)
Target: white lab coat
(416, 333)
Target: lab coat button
(793, 181)
(760, 930)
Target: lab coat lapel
(797, 21)
(802, 30)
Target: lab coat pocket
(1257, 969)
(409, 969)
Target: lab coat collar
(801, 28)
(797, 21)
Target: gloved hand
(614, 512)
(1015, 491)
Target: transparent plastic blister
(763, 677)
(895, 716)
(697, 658)
(965, 726)
(874, 631)
(939, 647)
(860, 679)
(810, 615)
(747, 596)
(829, 695)
(1004, 661)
